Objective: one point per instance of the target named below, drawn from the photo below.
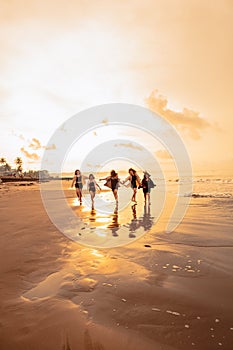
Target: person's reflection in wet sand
(147, 220)
(92, 216)
(114, 226)
(91, 219)
(134, 211)
(134, 225)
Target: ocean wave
(217, 181)
(202, 180)
(208, 195)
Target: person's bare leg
(80, 195)
(145, 196)
(115, 193)
(134, 194)
(132, 199)
(92, 199)
(149, 198)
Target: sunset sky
(172, 56)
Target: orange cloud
(50, 147)
(32, 156)
(163, 154)
(129, 145)
(93, 165)
(188, 121)
(35, 144)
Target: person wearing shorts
(92, 186)
(134, 182)
(78, 182)
(146, 185)
(112, 182)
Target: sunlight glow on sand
(95, 252)
(103, 219)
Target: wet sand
(163, 291)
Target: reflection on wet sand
(114, 225)
(145, 221)
(92, 216)
(112, 222)
(108, 225)
(134, 224)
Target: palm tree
(3, 162)
(19, 164)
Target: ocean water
(209, 219)
(212, 187)
(208, 198)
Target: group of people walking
(113, 182)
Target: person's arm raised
(105, 178)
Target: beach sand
(163, 291)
